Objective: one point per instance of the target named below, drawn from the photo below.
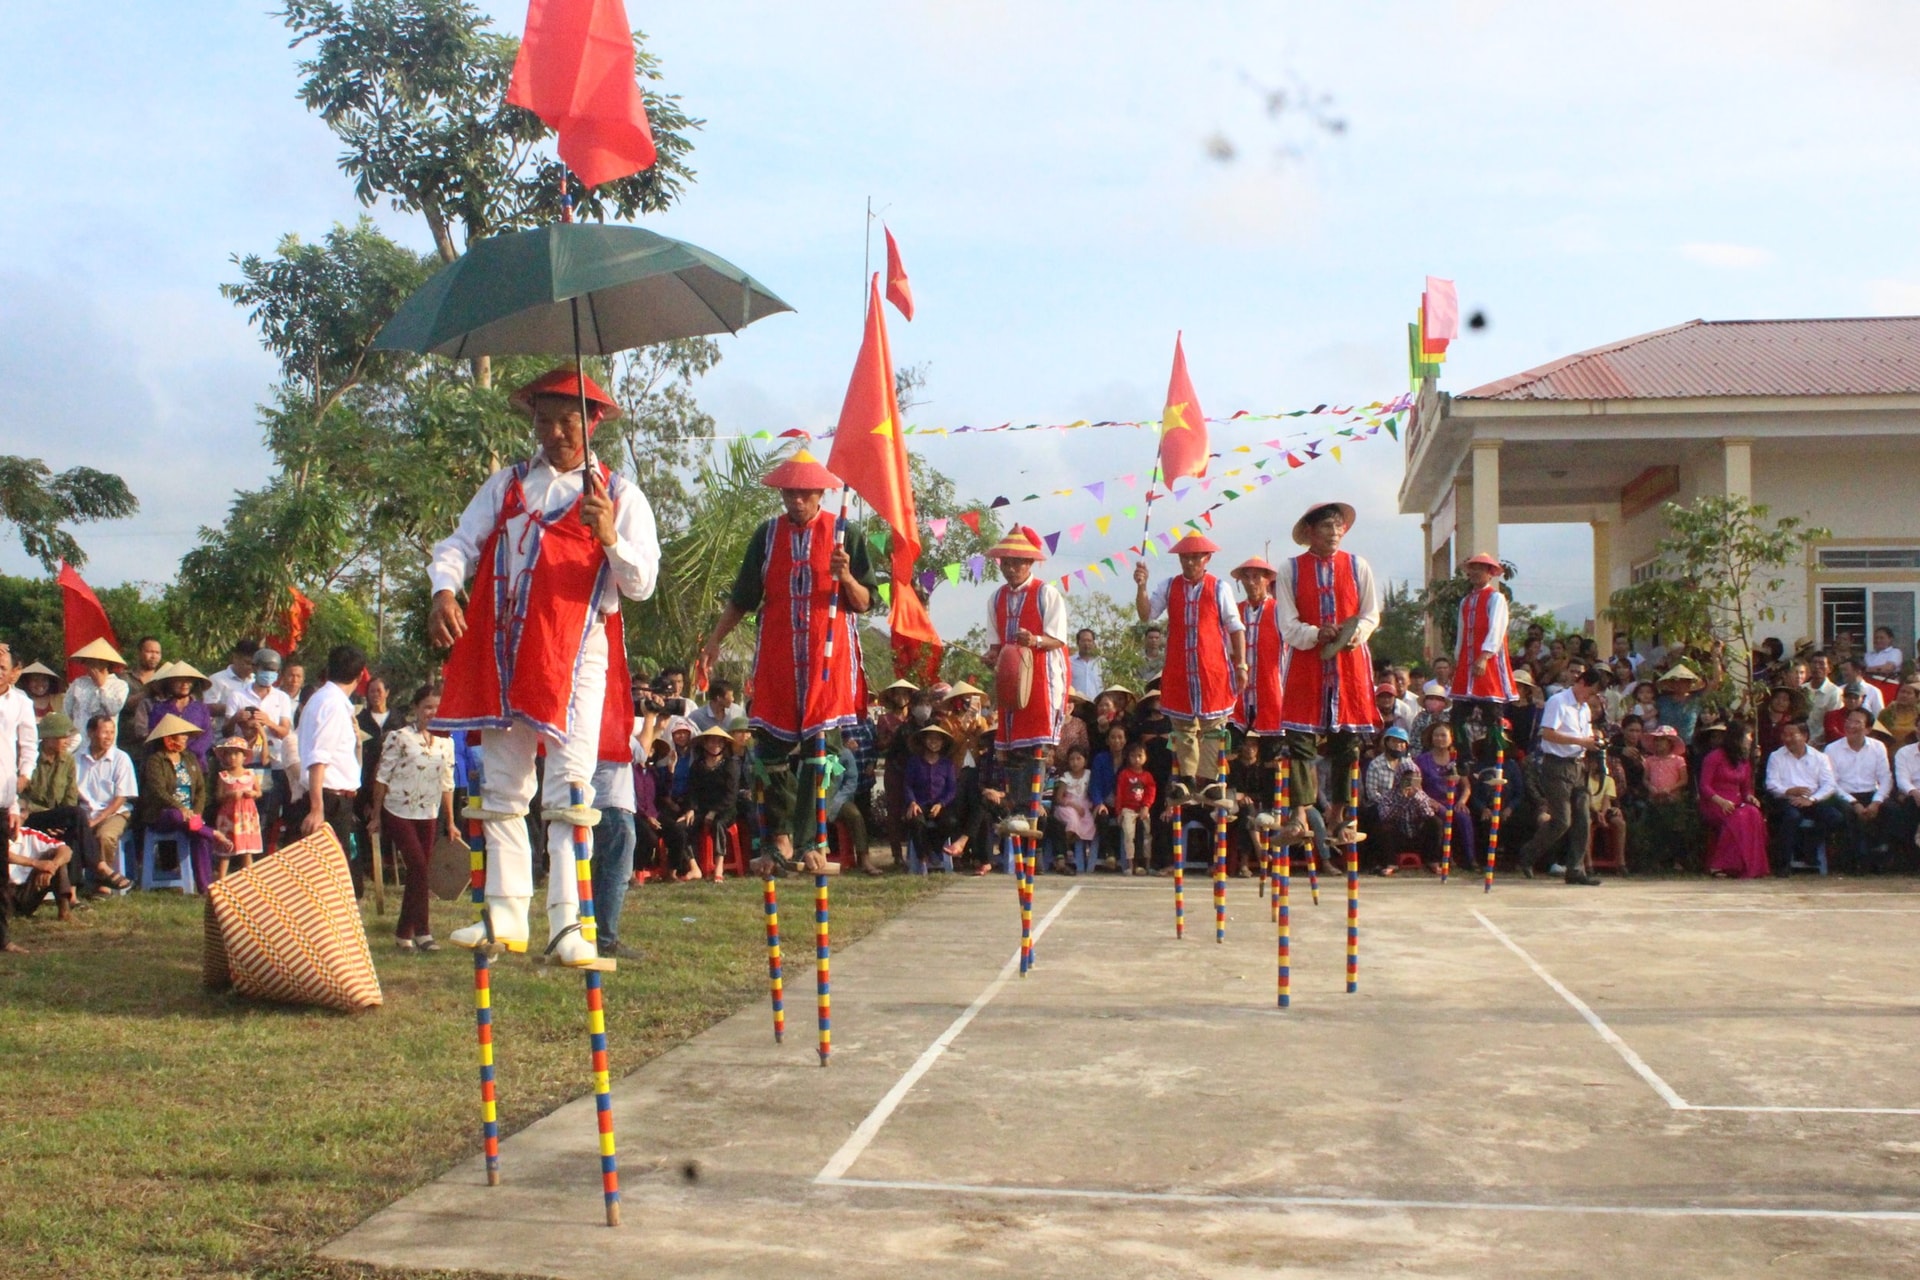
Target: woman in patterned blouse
(412, 796)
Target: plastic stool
(151, 877)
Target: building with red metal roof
(1813, 418)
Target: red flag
(292, 624)
(899, 290)
(575, 71)
(1183, 427)
(82, 616)
(870, 454)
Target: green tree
(31, 619)
(1401, 637)
(1718, 572)
(37, 502)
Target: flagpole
(866, 261)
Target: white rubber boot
(565, 943)
(509, 917)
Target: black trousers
(1564, 834)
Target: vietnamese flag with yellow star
(1183, 427)
(870, 454)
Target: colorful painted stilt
(483, 1003)
(1283, 921)
(1353, 885)
(1284, 811)
(1034, 788)
(1446, 837)
(776, 982)
(1499, 794)
(822, 947)
(1220, 848)
(1023, 884)
(1179, 873)
(596, 1018)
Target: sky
(1053, 172)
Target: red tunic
(524, 639)
(1196, 681)
(790, 699)
(1016, 609)
(1259, 709)
(1496, 683)
(1330, 695)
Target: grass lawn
(148, 1128)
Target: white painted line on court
(1373, 1203)
(1728, 911)
(1812, 1111)
(869, 1128)
(1606, 1033)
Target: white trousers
(508, 780)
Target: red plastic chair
(735, 863)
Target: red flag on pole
(1183, 427)
(82, 617)
(899, 290)
(575, 71)
(293, 623)
(870, 454)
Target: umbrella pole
(586, 423)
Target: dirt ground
(1666, 1078)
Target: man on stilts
(1206, 662)
(1482, 670)
(538, 653)
(1327, 606)
(1027, 613)
(806, 581)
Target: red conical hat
(1484, 559)
(1320, 508)
(565, 380)
(1021, 543)
(1194, 544)
(1256, 564)
(801, 471)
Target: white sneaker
(566, 944)
(1556, 870)
(509, 917)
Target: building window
(1842, 609)
(1870, 558)
(1645, 571)
(1859, 610)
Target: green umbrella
(582, 287)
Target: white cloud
(1889, 297)
(1731, 257)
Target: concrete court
(1669, 1078)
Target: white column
(1602, 584)
(1737, 458)
(1483, 518)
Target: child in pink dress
(236, 787)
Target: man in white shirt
(1087, 679)
(1863, 779)
(262, 705)
(719, 706)
(229, 681)
(1823, 695)
(559, 538)
(1565, 733)
(36, 866)
(108, 789)
(1801, 789)
(19, 735)
(98, 691)
(330, 751)
(1852, 672)
(1903, 809)
(1623, 651)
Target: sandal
(112, 879)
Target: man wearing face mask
(552, 544)
(262, 704)
(805, 580)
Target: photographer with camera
(1566, 735)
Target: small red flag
(1183, 426)
(899, 290)
(82, 617)
(292, 624)
(575, 71)
(971, 519)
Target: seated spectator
(1387, 703)
(843, 808)
(98, 692)
(51, 799)
(108, 789)
(719, 702)
(1072, 818)
(1606, 820)
(713, 792)
(1073, 730)
(1883, 661)
(1106, 769)
(984, 809)
(1903, 807)
(1401, 815)
(1436, 707)
(932, 784)
(1251, 781)
(1630, 753)
(36, 868)
(41, 685)
(173, 793)
(1681, 696)
(1646, 705)
(1784, 705)
(1802, 796)
(904, 709)
(1444, 781)
(1730, 808)
(1863, 778)
(1854, 671)
(1901, 718)
(1853, 697)
(1110, 709)
(1134, 793)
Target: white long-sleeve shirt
(1303, 635)
(19, 727)
(85, 700)
(1906, 769)
(634, 556)
(327, 738)
(1811, 770)
(1162, 591)
(1855, 772)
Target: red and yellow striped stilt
(1353, 884)
(1035, 785)
(1446, 837)
(483, 1002)
(1283, 920)
(1220, 849)
(1499, 795)
(822, 948)
(776, 982)
(596, 1019)
(1179, 873)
